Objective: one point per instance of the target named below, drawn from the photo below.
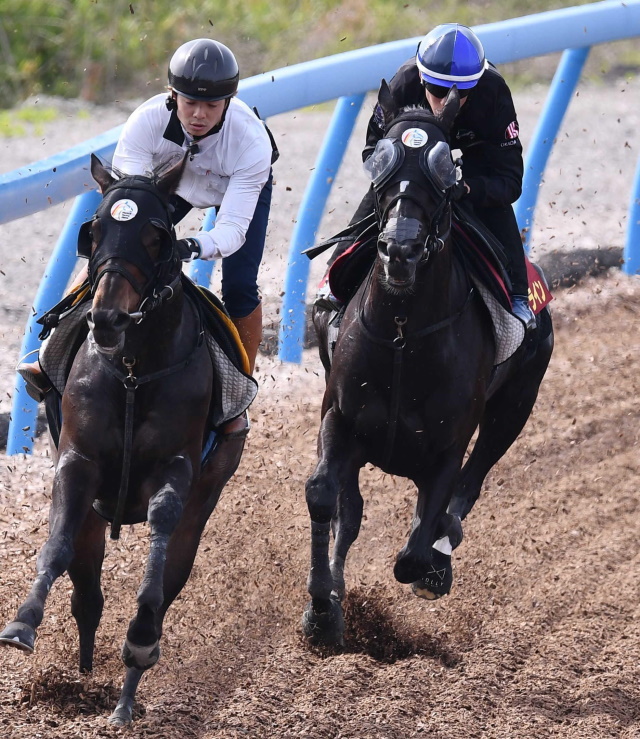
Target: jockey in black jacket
(485, 130)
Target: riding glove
(459, 190)
(188, 249)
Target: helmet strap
(171, 102)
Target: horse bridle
(128, 248)
(420, 176)
(434, 240)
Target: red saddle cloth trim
(539, 296)
(336, 266)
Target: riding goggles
(440, 91)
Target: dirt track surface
(540, 636)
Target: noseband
(434, 240)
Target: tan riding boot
(250, 330)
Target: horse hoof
(419, 589)
(407, 568)
(142, 658)
(122, 716)
(19, 635)
(324, 628)
(438, 581)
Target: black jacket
(485, 130)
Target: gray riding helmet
(204, 69)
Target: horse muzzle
(400, 263)
(108, 328)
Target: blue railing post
(631, 265)
(309, 215)
(560, 94)
(200, 270)
(22, 424)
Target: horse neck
(439, 291)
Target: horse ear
(450, 108)
(387, 103)
(169, 180)
(100, 174)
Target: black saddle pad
(351, 267)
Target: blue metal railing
(309, 215)
(22, 425)
(560, 93)
(346, 77)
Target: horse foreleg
(141, 648)
(183, 545)
(322, 621)
(346, 525)
(69, 507)
(181, 552)
(123, 712)
(87, 600)
(425, 560)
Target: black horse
(412, 376)
(135, 415)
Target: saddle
(234, 389)
(474, 246)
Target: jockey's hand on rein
(460, 190)
(188, 249)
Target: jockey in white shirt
(229, 168)
(230, 152)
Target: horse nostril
(383, 248)
(114, 321)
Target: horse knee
(165, 509)
(321, 497)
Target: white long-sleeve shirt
(229, 170)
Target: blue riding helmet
(450, 55)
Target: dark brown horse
(412, 376)
(135, 418)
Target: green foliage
(12, 121)
(106, 50)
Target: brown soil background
(540, 636)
